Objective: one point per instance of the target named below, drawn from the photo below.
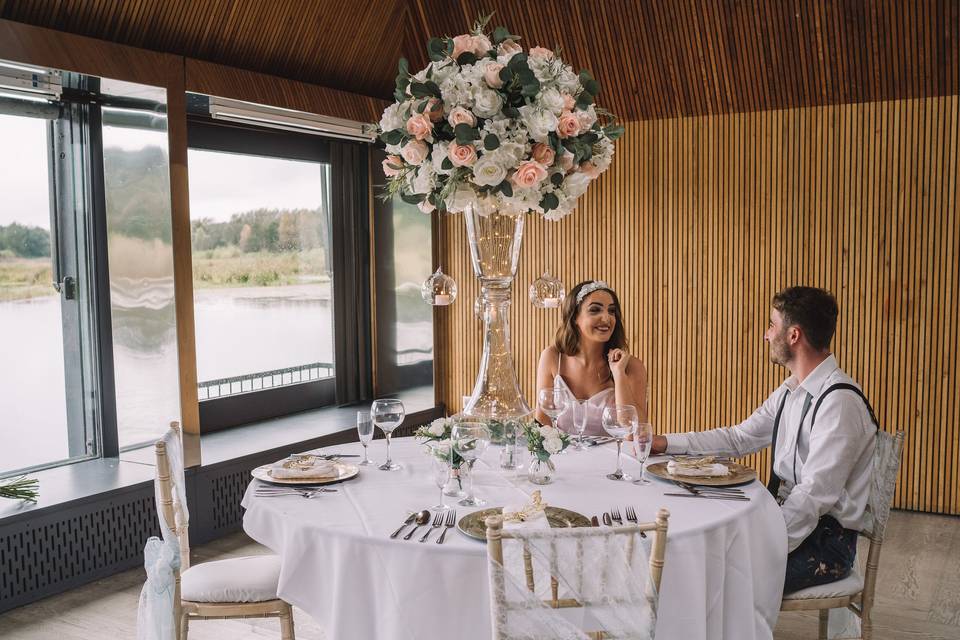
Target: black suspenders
(773, 485)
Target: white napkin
(697, 470)
(531, 515)
(307, 467)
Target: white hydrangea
(551, 100)
(425, 179)
(394, 116)
(455, 91)
(486, 102)
(575, 184)
(552, 445)
(443, 70)
(463, 197)
(437, 156)
(548, 432)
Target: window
(260, 208)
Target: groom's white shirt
(823, 472)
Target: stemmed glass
(387, 414)
(552, 402)
(619, 421)
(470, 440)
(642, 442)
(440, 469)
(365, 431)
(579, 410)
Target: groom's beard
(780, 352)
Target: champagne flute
(388, 414)
(552, 402)
(440, 469)
(579, 410)
(365, 432)
(470, 440)
(619, 421)
(642, 442)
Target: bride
(589, 358)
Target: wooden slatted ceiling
(655, 59)
(701, 220)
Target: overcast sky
(220, 184)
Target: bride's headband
(590, 287)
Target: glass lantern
(547, 292)
(439, 289)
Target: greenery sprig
(20, 488)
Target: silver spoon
(410, 518)
(423, 517)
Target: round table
(723, 571)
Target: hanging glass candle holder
(439, 289)
(547, 292)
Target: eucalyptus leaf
(437, 48)
(446, 165)
(506, 188)
(433, 88)
(549, 201)
(392, 137)
(592, 87)
(501, 33)
(412, 198)
(557, 178)
(465, 133)
(614, 131)
(467, 57)
(491, 142)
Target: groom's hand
(659, 445)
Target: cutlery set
(613, 516)
(420, 518)
(709, 493)
(593, 441)
(279, 491)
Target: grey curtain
(350, 210)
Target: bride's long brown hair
(567, 341)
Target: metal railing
(224, 387)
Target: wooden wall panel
(701, 220)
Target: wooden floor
(918, 596)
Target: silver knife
(708, 497)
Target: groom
(822, 432)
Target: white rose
(549, 432)
(488, 172)
(437, 427)
(393, 117)
(575, 184)
(551, 100)
(425, 180)
(486, 102)
(437, 156)
(539, 122)
(552, 445)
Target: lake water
(239, 331)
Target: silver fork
(615, 516)
(632, 517)
(451, 520)
(437, 523)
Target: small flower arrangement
(491, 127)
(544, 442)
(436, 436)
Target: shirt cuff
(677, 443)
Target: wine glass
(619, 421)
(579, 410)
(440, 470)
(642, 441)
(365, 431)
(470, 440)
(388, 414)
(552, 402)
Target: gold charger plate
(473, 524)
(739, 474)
(345, 471)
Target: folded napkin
(697, 468)
(532, 515)
(303, 467)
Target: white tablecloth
(723, 573)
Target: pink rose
(543, 154)
(492, 75)
(462, 155)
(415, 152)
(566, 160)
(590, 170)
(481, 45)
(540, 52)
(419, 126)
(567, 127)
(392, 166)
(459, 115)
(529, 174)
(434, 110)
(462, 44)
(508, 48)
(568, 102)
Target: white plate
(345, 471)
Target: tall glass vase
(495, 240)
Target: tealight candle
(441, 299)
(551, 303)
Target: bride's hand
(618, 359)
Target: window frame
(216, 414)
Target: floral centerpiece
(495, 131)
(490, 126)
(436, 436)
(543, 442)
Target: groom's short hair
(813, 310)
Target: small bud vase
(541, 471)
